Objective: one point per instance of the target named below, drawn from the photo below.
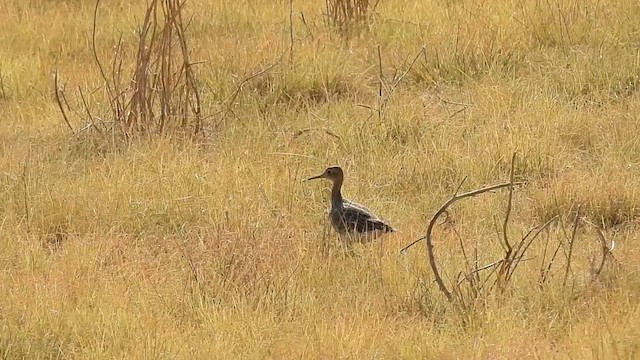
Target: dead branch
(406, 72)
(545, 272)
(380, 84)
(453, 199)
(518, 258)
(464, 251)
(383, 99)
(233, 96)
(571, 243)
(161, 94)
(606, 249)
(58, 90)
(434, 219)
(478, 270)
(507, 215)
(291, 32)
(321, 129)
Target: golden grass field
(169, 248)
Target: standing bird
(347, 217)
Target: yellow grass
(170, 249)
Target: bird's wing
(358, 207)
(358, 218)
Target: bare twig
(406, 72)
(429, 241)
(162, 93)
(325, 130)
(571, 243)
(507, 215)
(449, 102)
(455, 198)
(503, 271)
(95, 52)
(58, 90)
(26, 179)
(383, 99)
(606, 249)
(518, 258)
(478, 270)
(291, 32)
(380, 84)
(233, 96)
(545, 272)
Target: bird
(349, 218)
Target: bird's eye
(329, 172)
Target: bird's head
(332, 173)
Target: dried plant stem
(522, 250)
(290, 32)
(58, 90)
(432, 261)
(160, 96)
(571, 244)
(26, 179)
(507, 215)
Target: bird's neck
(336, 194)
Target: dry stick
(147, 35)
(565, 233)
(571, 242)
(449, 102)
(380, 84)
(95, 52)
(406, 72)
(520, 244)
(606, 250)
(290, 32)
(87, 109)
(544, 257)
(189, 76)
(551, 261)
(427, 237)
(476, 271)
(517, 257)
(476, 261)
(66, 103)
(384, 100)
(466, 260)
(509, 254)
(117, 102)
(494, 222)
(508, 212)
(164, 58)
(325, 130)
(233, 96)
(59, 102)
(457, 291)
(453, 199)
(25, 183)
(493, 270)
(137, 81)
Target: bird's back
(353, 218)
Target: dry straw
(155, 93)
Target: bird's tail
(386, 228)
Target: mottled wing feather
(355, 217)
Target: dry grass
(169, 248)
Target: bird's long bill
(315, 177)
